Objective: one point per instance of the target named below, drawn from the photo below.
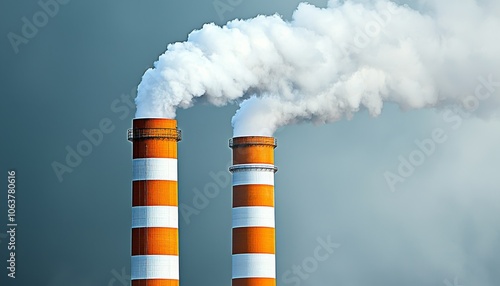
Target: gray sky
(440, 226)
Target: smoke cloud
(329, 63)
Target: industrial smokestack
(155, 236)
(254, 262)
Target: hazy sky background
(440, 226)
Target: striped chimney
(254, 262)
(155, 235)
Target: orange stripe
(254, 282)
(155, 148)
(155, 241)
(253, 154)
(253, 195)
(155, 123)
(253, 240)
(155, 282)
(154, 193)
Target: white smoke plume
(328, 63)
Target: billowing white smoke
(328, 63)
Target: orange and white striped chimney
(254, 262)
(155, 235)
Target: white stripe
(254, 266)
(155, 216)
(155, 169)
(155, 267)
(253, 216)
(253, 177)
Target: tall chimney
(254, 262)
(155, 235)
